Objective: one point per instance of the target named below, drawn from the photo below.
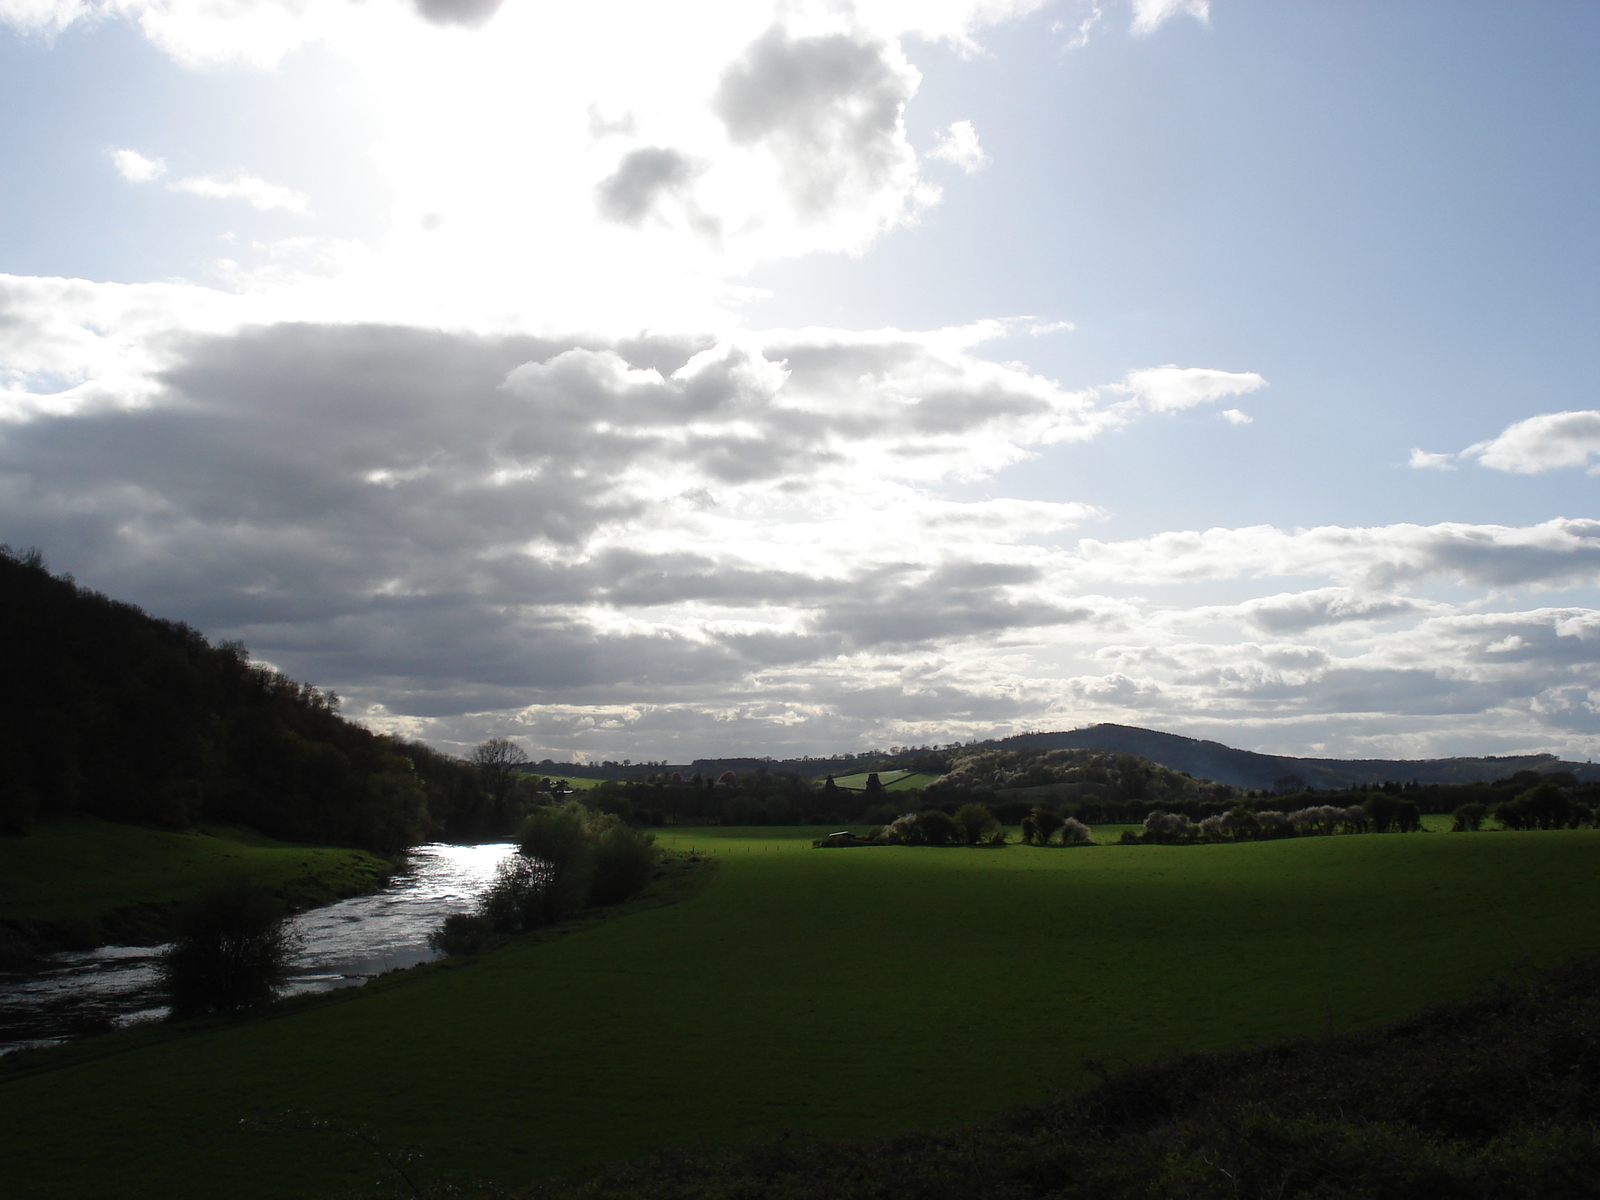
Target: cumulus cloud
(959, 146)
(642, 179)
(1548, 442)
(1171, 388)
(1234, 416)
(136, 168)
(828, 108)
(1150, 15)
(1423, 460)
(254, 191)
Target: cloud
(1234, 416)
(469, 13)
(1297, 612)
(828, 108)
(1171, 388)
(1558, 553)
(1422, 460)
(1150, 15)
(1548, 442)
(630, 193)
(959, 147)
(136, 168)
(256, 192)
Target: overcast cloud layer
(519, 467)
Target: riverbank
(81, 882)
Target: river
(342, 945)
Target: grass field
(80, 873)
(893, 781)
(843, 992)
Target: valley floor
(842, 992)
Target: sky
(670, 381)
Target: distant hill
(1247, 769)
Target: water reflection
(343, 944)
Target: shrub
(902, 831)
(1240, 824)
(1045, 822)
(1168, 827)
(937, 828)
(976, 822)
(462, 933)
(997, 836)
(1468, 818)
(518, 899)
(232, 951)
(1381, 811)
(559, 838)
(624, 859)
(1273, 825)
(1075, 833)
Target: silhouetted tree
(497, 761)
(232, 951)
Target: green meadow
(78, 873)
(843, 992)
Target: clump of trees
(232, 950)
(569, 857)
(1241, 824)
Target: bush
(1166, 827)
(1045, 822)
(938, 828)
(462, 933)
(518, 899)
(232, 951)
(1469, 818)
(624, 860)
(977, 823)
(559, 838)
(1075, 833)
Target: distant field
(893, 781)
(856, 991)
(76, 871)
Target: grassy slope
(893, 781)
(843, 992)
(75, 873)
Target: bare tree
(497, 761)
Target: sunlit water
(343, 944)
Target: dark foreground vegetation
(1493, 1098)
(113, 713)
(231, 951)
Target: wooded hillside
(109, 711)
